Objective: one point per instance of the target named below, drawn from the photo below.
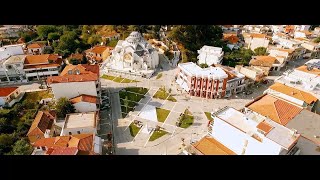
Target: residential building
(249, 133)
(9, 96)
(301, 27)
(98, 54)
(312, 49)
(210, 55)
(42, 126)
(253, 74)
(210, 82)
(9, 31)
(302, 34)
(78, 144)
(278, 110)
(110, 36)
(286, 43)
(10, 50)
(209, 146)
(281, 53)
(134, 55)
(80, 123)
(75, 58)
(277, 28)
(85, 103)
(236, 81)
(35, 48)
(267, 63)
(256, 40)
(296, 96)
(233, 41)
(76, 80)
(45, 65)
(11, 69)
(316, 31)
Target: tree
(317, 40)
(28, 36)
(64, 107)
(94, 39)
(67, 43)
(22, 147)
(47, 51)
(139, 28)
(53, 36)
(260, 51)
(5, 126)
(74, 61)
(203, 65)
(84, 60)
(6, 142)
(44, 30)
(126, 103)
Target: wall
(258, 42)
(236, 139)
(73, 89)
(2, 101)
(85, 107)
(83, 130)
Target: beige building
(80, 123)
(255, 40)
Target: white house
(85, 103)
(9, 96)
(134, 55)
(76, 80)
(256, 40)
(302, 34)
(80, 123)
(210, 55)
(302, 27)
(35, 48)
(249, 133)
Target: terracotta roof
(306, 32)
(35, 45)
(293, 92)
(84, 98)
(77, 56)
(62, 151)
(87, 73)
(289, 28)
(277, 110)
(285, 50)
(262, 61)
(210, 146)
(83, 142)
(6, 91)
(231, 38)
(21, 40)
(256, 35)
(41, 123)
(41, 66)
(315, 71)
(41, 59)
(98, 49)
(265, 127)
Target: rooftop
(98, 49)
(277, 110)
(210, 146)
(256, 35)
(6, 91)
(62, 151)
(193, 69)
(78, 120)
(307, 124)
(84, 98)
(16, 59)
(250, 122)
(293, 92)
(42, 59)
(41, 123)
(35, 45)
(262, 61)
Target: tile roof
(285, 50)
(277, 110)
(84, 98)
(41, 66)
(41, 123)
(98, 49)
(262, 61)
(210, 146)
(304, 68)
(6, 91)
(256, 35)
(77, 56)
(40, 59)
(293, 92)
(83, 68)
(232, 38)
(265, 127)
(62, 151)
(83, 142)
(35, 45)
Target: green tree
(139, 28)
(28, 36)
(47, 51)
(203, 65)
(260, 51)
(74, 61)
(317, 40)
(84, 60)
(44, 30)
(6, 126)
(64, 107)
(22, 147)
(6, 142)
(68, 43)
(94, 39)
(53, 36)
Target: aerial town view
(159, 90)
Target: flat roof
(194, 69)
(249, 124)
(16, 59)
(307, 124)
(77, 120)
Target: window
(70, 133)
(78, 132)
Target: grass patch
(118, 79)
(134, 129)
(133, 95)
(186, 119)
(159, 76)
(162, 114)
(162, 94)
(208, 114)
(157, 134)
